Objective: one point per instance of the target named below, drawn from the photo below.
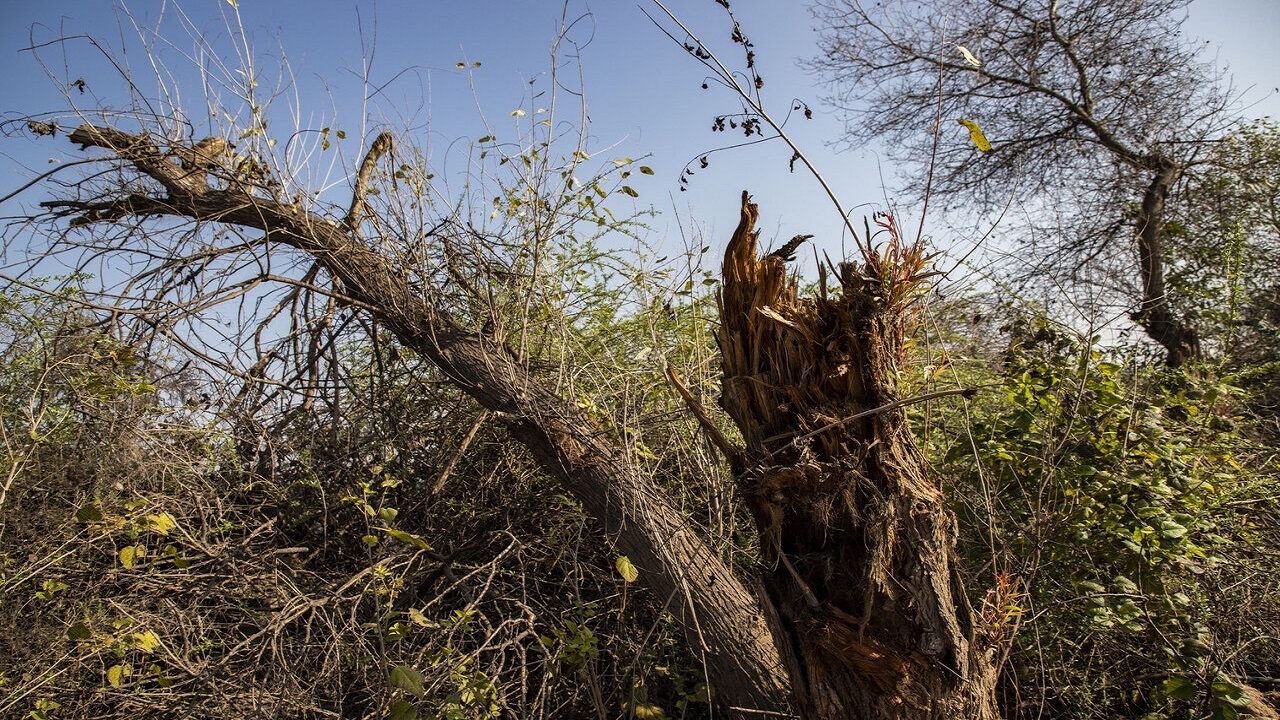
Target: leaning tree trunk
(1180, 340)
(867, 607)
(720, 616)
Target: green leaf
(158, 674)
(1178, 688)
(49, 588)
(409, 539)
(117, 673)
(1225, 712)
(406, 678)
(626, 569)
(1192, 647)
(646, 170)
(401, 710)
(79, 631)
(627, 190)
(89, 513)
(1228, 692)
(397, 630)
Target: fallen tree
(862, 606)
(720, 615)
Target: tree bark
(1180, 340)
(869, 611)
(720, 616)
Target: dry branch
(718, 613)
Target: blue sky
(644, 94)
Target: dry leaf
(975, 134)
(973, 59)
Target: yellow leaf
(518, 113)
(628, 571)
(117, 673)
(131, 554)
(973, 59)
(975, 134)
(146, 641)
(161, 522)
(233, 3)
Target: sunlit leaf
(409, 539)
(161, 523)
(626, 569)
(117, 673)
(973, 59)
(518, 113)
(131, 554)
(146, 641)
(975, 134)
(1225, 691)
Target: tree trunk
(870, 614)
(1180, 341)
(720, 616)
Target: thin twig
(732, 452)
(966, 392)
(462, 449)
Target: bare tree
(1093, 107)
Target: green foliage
(1223, 234)
(1101, 498)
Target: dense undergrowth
(164, 557)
